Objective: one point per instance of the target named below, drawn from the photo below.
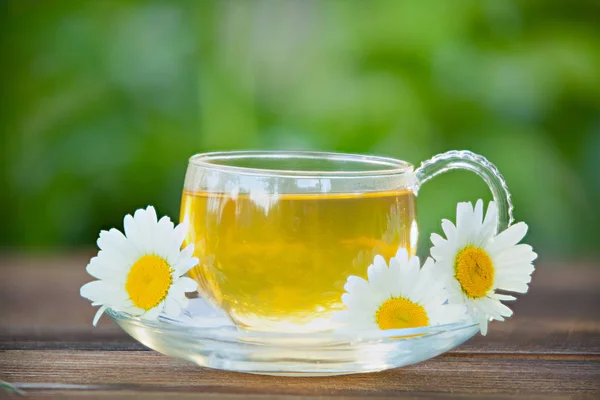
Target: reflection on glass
(285, 257)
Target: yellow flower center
(474, 270)
(148, 281)
(399, 313)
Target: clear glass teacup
(278, 233)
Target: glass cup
(278, 233)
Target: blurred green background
(104, 101)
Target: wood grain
(49, 348)
(466, 374)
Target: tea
(284, 260)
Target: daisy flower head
(141, 272)
(477, 262)
(401, 295)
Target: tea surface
(272, 262)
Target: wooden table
(48, 347)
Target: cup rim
(210, 160)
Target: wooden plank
(516, 336)
(456, 375)
(559, 315)
(49, 348)
(40, 295)
(530, 335)
(125, 393)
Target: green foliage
(105, 101)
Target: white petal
(357, 302)
(444, 268)
(492, 308)
(503, 297)
(130, 308)
(165, 241)
(518, 267)
(103, 293)
(513, 274)
(342, 316)
(483, 325)
(478, 212)
(152, 314)
(378, 278)
(409, 273)
(98, 315)
(508, 238)
(185, 284)
(132, 233)
(100, 270)
(464, 217)
(446, 314)
(172, 308)
(151, 215)
(180, 232)
(113, 241)
(186, 265)
(147, 221)
(514, 286)
(114, 261)
(173, 243)
(182, 301)
(145, 217)
(355, 284)
(92, 290)
(402, 255)
(165, 226)
(353, 322)
(379, 261)
(185, 261)
(490, 223)
(364, 323)
(427, 288)
(439, 241)
(440, 253)
(503, 310)
(429, 266)
(449, 230)
(187, 252)
(395, 278)
(454, 290)
(518, 253)
(139, 216)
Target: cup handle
(482, 167)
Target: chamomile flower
(403, 295)
(141, 272)
(477, 262)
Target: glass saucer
(207, 337)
